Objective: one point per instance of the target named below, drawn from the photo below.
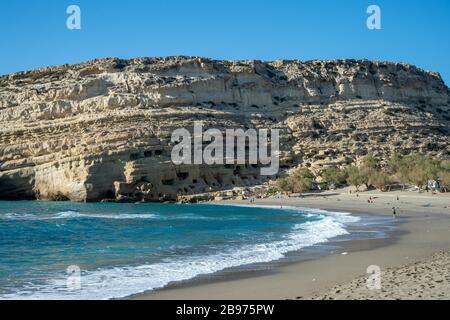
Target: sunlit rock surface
(101, 130)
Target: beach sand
(426, 279)
(414, 262)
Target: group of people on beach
(372, 200)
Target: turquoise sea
(62, 250)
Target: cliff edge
(101, 129)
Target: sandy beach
(414, 262)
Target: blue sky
(34, 34)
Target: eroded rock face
(101, 129)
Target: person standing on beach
(394, 212)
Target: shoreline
(339, 244)
(422, 231)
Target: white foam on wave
(346, 217)
(124, 281)
(17, 216)
(76, 215)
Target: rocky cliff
(101, 129)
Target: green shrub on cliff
(283, 185)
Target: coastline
(423, 228)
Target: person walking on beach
(394, 212)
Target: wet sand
(423, 222)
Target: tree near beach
(335, 176)
(370, 168)
(380, 180)
(444, 178)
(415, 169)
(298, 182)
(398, 169)
(444, 175)
(283, 185)
(303, 179)
(369, 173)
(355, 177)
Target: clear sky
(33, 33)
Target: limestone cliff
(101, 129)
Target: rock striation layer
(101, 129)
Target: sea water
(124, 249)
